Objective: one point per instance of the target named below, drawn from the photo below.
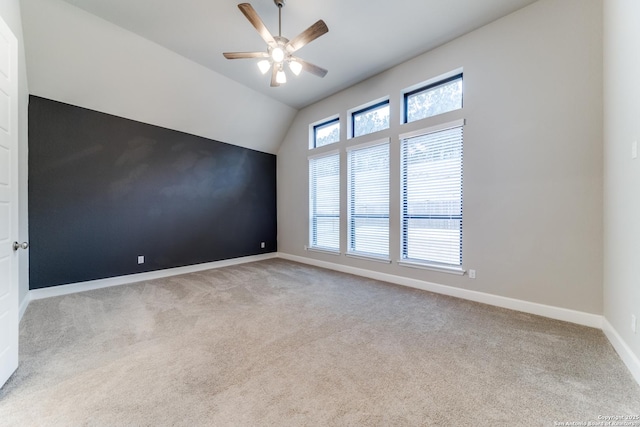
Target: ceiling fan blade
(313, 69)
(307, 36)
(250, 13)
(274, 82)
(241, 55)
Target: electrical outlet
(262, 245)
(472, 274)
(140, 259)
(633, 323)
(634, 149)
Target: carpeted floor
(280, 343)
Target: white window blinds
(432, 197)
(368, 199)
(324, 202)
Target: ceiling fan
(280, 49)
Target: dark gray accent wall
(104, 190)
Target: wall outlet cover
(140, 259)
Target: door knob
(23, 245)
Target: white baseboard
(624, 351)
(558, 313)
(72, 288)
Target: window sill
(433, 267)
(368, 257)
(322, 251)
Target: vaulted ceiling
(365, 37)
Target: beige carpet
(279, 343)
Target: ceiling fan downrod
(280, 4)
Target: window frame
(424, 88)
(360, 110)
(322, 124)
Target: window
(368, 199)
(370, 119)
(432, 195)
(326, 133)
(324, 202)
(437, 98)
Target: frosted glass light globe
(295, 67)
(277, 54)
(281, 77)
(264, 66)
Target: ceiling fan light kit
(280, 49)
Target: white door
(8, 202)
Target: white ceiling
(365, 37)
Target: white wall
(532, 160)
(80, 59)
(10, 12)
(621, 172)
